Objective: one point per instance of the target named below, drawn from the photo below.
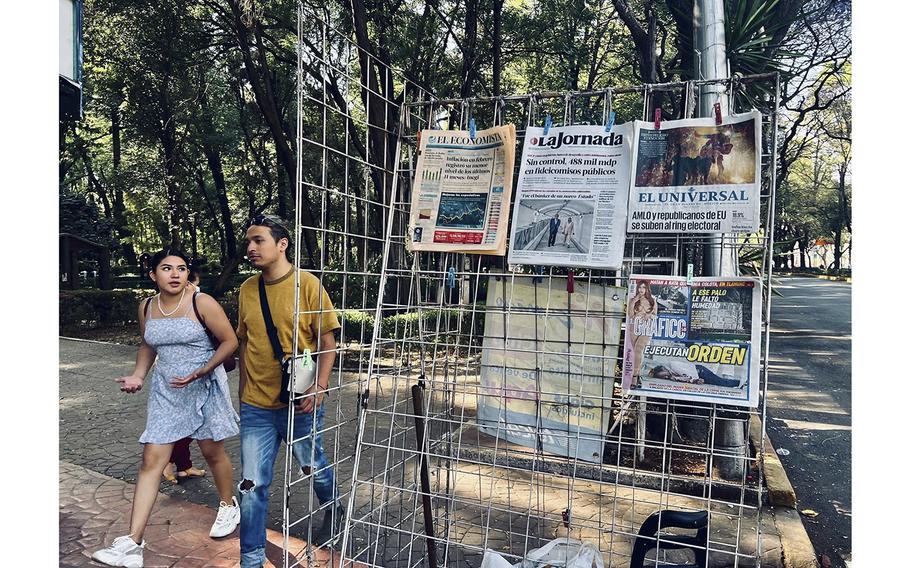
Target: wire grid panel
(404, 326)
(347, 155)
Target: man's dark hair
(277, 229)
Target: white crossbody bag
(302, 371)
(297, 373)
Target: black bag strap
(198, 315)
(269, 324)
(202, 321)
(148, 303)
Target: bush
(357, 324)
(89, 309)
(405, 325)
(230, 303)
(354, 323)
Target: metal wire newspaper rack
(427, 476)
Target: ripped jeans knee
(246, 486)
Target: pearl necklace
(167, 314)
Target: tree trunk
(642, 39)
(124, 233)
(468, 61)
(221, 283)
(94, 183)
(842, 213)
(258, 75)
(214, 214)
(497, 47)
(380, 118)
(172, 188)
(213, 159)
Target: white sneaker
(122, 552)
(227, 520)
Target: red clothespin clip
(717, 117)
(657, 118)
(570, 283)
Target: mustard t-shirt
(263, 372)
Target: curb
(848, 279)
(796, 548)
(780, 491)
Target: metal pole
(711, 59)
(719, 260)
(423, 454)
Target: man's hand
(180, 382)
(130, 384)
(310, 402)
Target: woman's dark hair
(164, 253)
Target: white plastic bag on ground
(494, 560)
(558, 553)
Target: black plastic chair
(646, 539)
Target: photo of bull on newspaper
(696, 156)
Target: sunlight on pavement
(802, 425)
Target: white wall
(67, 64)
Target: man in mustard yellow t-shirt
(263, 417)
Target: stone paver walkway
(100, 428)
(95, 508)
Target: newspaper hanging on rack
(548, 364)
(571, 200)
(694, 176)
(462, 188)
(698, 341)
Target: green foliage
(750, 28)
(230, 303)
(182, 140)
(89, 309)
(358, 324)
(81, 217)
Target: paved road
(809, 405)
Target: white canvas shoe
(227, 520)
(122, 552)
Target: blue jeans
(260, 431)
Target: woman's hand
(130, 383)
(181, 382)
